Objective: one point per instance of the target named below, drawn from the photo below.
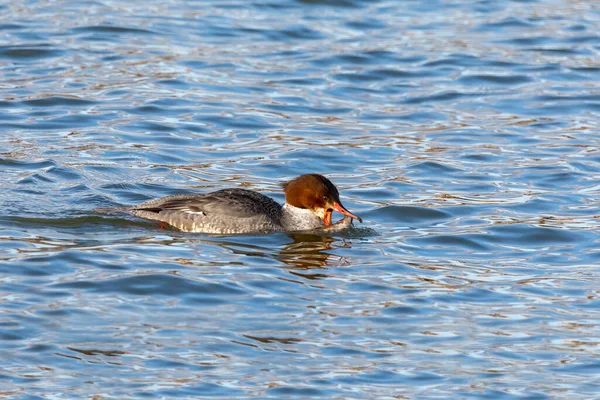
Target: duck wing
(234, 203)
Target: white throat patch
(300, 219)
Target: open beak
(327, 218)
(340, 208)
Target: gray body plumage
(225, 211)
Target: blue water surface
(465, 133)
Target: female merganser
(309, 202)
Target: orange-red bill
(340, 208)
(327, 218)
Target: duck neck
(299, 219)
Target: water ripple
(465, 135)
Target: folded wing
(233, 203)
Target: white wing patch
(195, 212)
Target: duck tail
(112, 210)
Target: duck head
(317, 194)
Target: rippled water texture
(465, 133)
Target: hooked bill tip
(340, 208)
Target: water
(464, 133)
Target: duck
(310, 200)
